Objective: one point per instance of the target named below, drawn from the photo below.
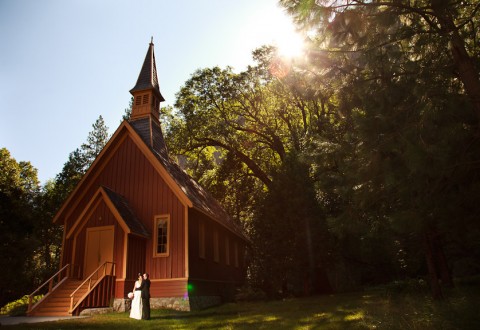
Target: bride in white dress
(136, 310)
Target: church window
(162, 236)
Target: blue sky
(63, 63)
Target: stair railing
(90, 282)
(60, 277)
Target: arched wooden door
(98, 248)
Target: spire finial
(151, 40)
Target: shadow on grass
(361, 310)
(188, 315)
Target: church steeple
(146, 93)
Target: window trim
(158, 218)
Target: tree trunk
(441, 262)
(257, 171)
(311, 259)
(466, 69)
(430, 259)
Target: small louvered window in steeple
(145, 99)
(138, 100)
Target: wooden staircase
(69, 295)
(58, 301)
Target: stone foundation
(122, 304)
(96, 311)
(176, 303)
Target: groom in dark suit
(145, 287)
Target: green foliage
(18, 307)
(31, 242)
(409, 165)
(235, 132)
(18, 189)
(291, 244)
(128, 111)
(79, 161)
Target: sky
(63, 63)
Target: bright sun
(272, 27)
(288, 41)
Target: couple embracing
(141, 298)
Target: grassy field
(373, 309)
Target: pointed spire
(147, 79)
(146, 93)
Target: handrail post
(50, 282)
(88, 282)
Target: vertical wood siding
(101, 216)
(100, 296)
(136, 257)
(205, 272)
(128, 172)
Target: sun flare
(289, 42)
(272, 27)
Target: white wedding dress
(136, 310)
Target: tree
(47, 234)
(18, 189)
(242, 135)
(78, 162)
(96, 140)
(254, 115)
(289, 235)
(415, 119)
(438, 23)
(55, 192)
(128, 111)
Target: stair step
(58, 302)
(47, 309)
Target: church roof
(147, 79)
(200, 198)
(126, 212)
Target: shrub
(18, 307)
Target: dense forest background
(357, 164)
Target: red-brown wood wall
(100, 217)
(125, 170)
(204, 272)
(135, 257)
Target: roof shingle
(147, 79)
(126, 212)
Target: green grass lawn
(374, 309)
